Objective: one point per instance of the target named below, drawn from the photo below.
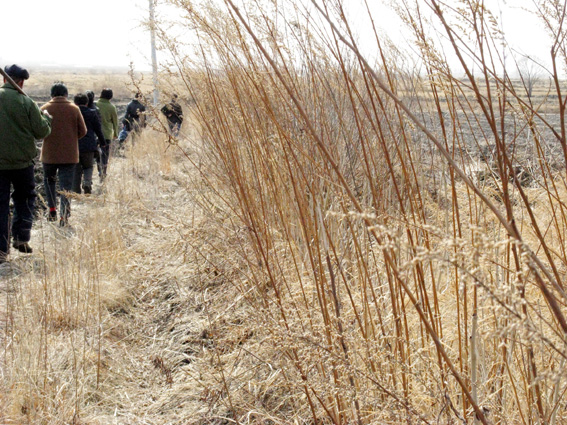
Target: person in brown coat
(60, 150)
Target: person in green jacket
(109, 121)
(21, 124)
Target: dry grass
(391, 281)
(316, 247)
(88, 318)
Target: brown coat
(68, 126)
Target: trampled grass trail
(110, 320)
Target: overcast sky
(524, 31)
(74, 32)
(109, 33)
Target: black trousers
(83, 171)
(23, 197)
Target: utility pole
(154, 56)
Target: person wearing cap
(21, 124)
(60, 150)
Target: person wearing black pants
(21, 123)
(23, 197)
(104, 156)
(109, 123)
(88, 145)
(60, 151)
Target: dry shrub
(384, 279)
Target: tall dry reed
(404, 256)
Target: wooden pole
(154, 56)
(11, 81)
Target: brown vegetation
(326, 242)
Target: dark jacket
(89, 143)
(21, 123)
(134, 114)
(173, 112)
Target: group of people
(81, 131)
(134, 118)
(74, 135)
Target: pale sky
(74, 33)
(109, 33)
(524, 31)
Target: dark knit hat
(17, 72)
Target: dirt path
(154, 344)
(158, 331)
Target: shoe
(52, 216)
(87, 190)
(64, 221)
(22, 246)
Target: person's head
(106, 94)
(90, 95)
(59, 89)
(17, 73)
(81, 99)
(138, 95)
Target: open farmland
(81, 80)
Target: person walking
(21, 123)
(60, 151)
(91, 105)
(88, 145)
(109, 123)
(174, 114)
(135, 118)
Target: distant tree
(530, 72)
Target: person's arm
(114, 118)
(40, 123)
(81, 126)
(128, 113)
(98, 131)
(126, 124)
(178, 112)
